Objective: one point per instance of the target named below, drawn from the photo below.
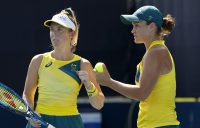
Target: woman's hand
(103, 78)
(35, 123)
(83, 75)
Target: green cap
(145, 13)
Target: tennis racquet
(11, 101)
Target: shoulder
(85, 64)
(85, 61)
(37, 59)
(157, 52)
(156, 56)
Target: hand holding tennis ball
(102, 74)
(99, 67)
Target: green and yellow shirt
(58, 86)
(159, 107)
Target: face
(141, 31)
(60, 36)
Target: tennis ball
(99, 67)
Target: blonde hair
(70, 13)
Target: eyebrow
(135, 23)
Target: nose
(133, 31)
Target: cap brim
(47, 23)
(128, 19)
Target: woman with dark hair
(155, 78)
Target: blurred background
(102, 38)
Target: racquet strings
(7, 98)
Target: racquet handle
(50, 126)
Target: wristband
(93, 91)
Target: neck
(148, 42)
(62, 55)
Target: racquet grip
(50, 126)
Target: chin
(138, 41)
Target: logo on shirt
(73, 67)
(48, 64)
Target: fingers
(34, 123)
(83, 75)
(81, 72)
(105, 68)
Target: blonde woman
(59, 76)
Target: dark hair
(168, 25)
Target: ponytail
(70, 13)
(168, 25)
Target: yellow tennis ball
(99, 67)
